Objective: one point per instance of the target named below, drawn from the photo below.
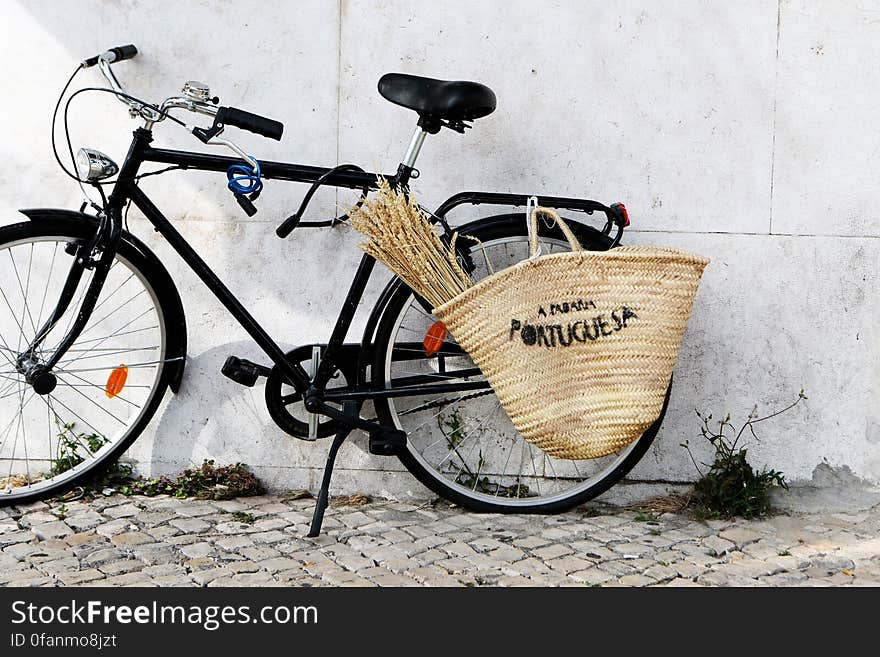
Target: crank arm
(384, 440)
(314, 404)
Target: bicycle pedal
(242, 371)
(387, 442)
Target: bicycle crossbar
(268, 169)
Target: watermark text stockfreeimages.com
(209, 617)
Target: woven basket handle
(552, 214)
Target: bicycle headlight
(93, 165)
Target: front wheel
(461, 444)
(110, 381)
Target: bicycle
(93, 332)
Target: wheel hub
(36, 375)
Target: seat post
(415, 145)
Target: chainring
(285, 404)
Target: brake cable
(118, 94)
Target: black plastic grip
(119, 53)
(250, 122)
(288, 226)
(124, 52)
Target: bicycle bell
(197, 91)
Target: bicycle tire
(168, 312)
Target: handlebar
(223, 115)
(250, 122)
(196, 97)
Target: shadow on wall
(191, 427)
(182, 435)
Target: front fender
(160, 279)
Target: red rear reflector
(434, 338)
(624, 213)
(116, 381)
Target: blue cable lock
(244, 179)
(246, 185)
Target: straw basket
(579, 347)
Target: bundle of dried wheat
(400, 237)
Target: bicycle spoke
(534, 469)
(117, 352)
(10, 376)
(448, 376)
(504, 469)
(64, 426)
(50, 399)
(71, 313)
(3, 351)
(48, 281)
(433, 416)
(118, 287)
(23, 290)
(14, 443)
(96, 404)
(115, 334)
(96, 386)
(467, 436)
(15, 317)
(18, 425)
(8, 394)
(9, 425)
(108, 337)
(27, 463)
(48, 430)
(114, 311)
(471, 451)
(128, 365)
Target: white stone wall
(744, 131)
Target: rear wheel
(109, 383)
(462, 445)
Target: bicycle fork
(29, 363)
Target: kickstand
(350, 409)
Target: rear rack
(615, 214)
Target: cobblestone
(162, 541)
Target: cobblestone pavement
(162, 541)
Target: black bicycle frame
(126, 190)
(312, 390)
(108, 235)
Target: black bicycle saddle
(453, 101)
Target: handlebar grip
(111, 55)
(123, 52)
(250, 122)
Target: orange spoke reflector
(434, 338)
(116, 381)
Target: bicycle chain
(440, 402)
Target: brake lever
(210, 137)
